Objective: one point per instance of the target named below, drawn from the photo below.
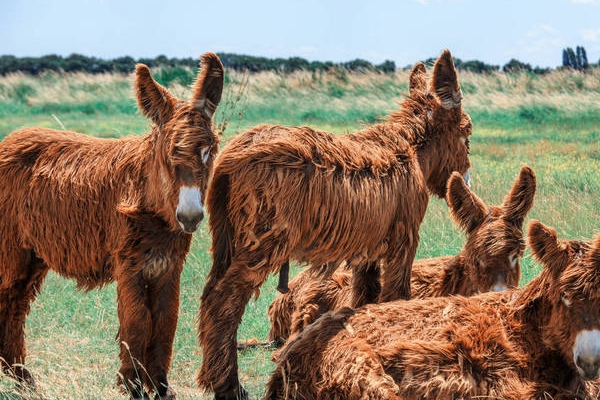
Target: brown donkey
(489, 260)
(538, 342)
(282, 193)
(102, 210)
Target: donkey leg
(164, 306)
(18, 289)
(396, 274)
(366, 285)
(221, 311)
(135, 326)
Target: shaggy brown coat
(102, 210)
(282, 193)
(489, 260)
(538, 342)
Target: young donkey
(538, 342)
(489, 260)
(282, 193)
(102, 210)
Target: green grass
(551, 123)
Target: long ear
(547, 248)
(209, 84)
(418, 79)
(594, 254)
(519, 201)
(154, 100)
(467, 209)
(445, 82)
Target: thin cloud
(591, 35)
(543, 42)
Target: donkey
(102, 210)
(489, 260)
(290, 193)
(540, 341)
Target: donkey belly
(73, 233)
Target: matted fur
(516, 344)
(282, 193)
(489, 260)
(102, 210)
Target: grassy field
(550, 122)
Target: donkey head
(184, 144)
(443, 145)
(494, 233)
(571, 277)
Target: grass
(550, 122)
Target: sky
(404, 31)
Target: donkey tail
(221, 228)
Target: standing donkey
(102, 210)
(489, 260)
(282, 193)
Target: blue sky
(405, 31)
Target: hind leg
(366, 284)
(221, 310)
(20, 283)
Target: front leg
(164, 306)
(134, 332)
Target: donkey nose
(586, 354)
(500, 284)
(499, 287)
(189, 220)
(189, 210)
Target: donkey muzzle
(586, 354)
(189, 210)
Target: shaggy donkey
(540, 341)
(102, 210)
(489, 260)
(282, 193)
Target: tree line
(576, 59)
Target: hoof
(168, 395)
(241, 394)
(22, 376)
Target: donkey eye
(205, 153)
(512, 259)
(565, 299)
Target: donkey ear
(154, 100)
(519, 201)
(418, 79)
(467, 209)
(445, 82)
(594, 254)
(547, 248)
(209, 84)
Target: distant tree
(516, 66)
(358, 65)
(388, 67)
(575, 59)
(478, 66)
(123, 65)
(582, 58)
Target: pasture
(548, 122)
